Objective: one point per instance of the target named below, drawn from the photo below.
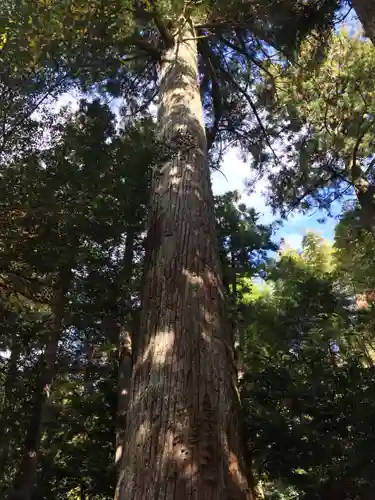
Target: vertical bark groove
(182, 433)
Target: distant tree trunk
(183, 440)
(238, 340)
(366, 199)
(365, 192)
(88, 373)
(365, 10)
(258, 491)
(124, 351)
(123, 387)
(5, 420)
(25, 479)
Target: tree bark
(25, 479)
(183, 439)
(365, 10)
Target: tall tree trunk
(25, 479)
(365, 10)
(182, 438)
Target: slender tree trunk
(123, 387)
(365, 10)
(365, 192)
(9, 386)
(125, 355)
(25, 479)
(182, 438)
(238, 341)
(258, 491)
(366, 199)
(88, 374)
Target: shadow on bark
(182, 439)
(183, 432)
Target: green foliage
(354, 253)
(244, 243)
(281, 23)
(115, 48)
(75, 186)
(328, 114)
(304, 386)
(77, 198)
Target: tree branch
(144, 45)
(217, 104)
(23, 118)
(221, 27)
(355, 170)
(370, 166)
(242, 50)
(217, 67)
(230, 78)
(165, 34)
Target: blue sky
(232, 177)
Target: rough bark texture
(26, 476)
(182, 437)
(365, 10)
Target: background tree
(324, 116)
(355, 263)
(303, 385)
(79, 187)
